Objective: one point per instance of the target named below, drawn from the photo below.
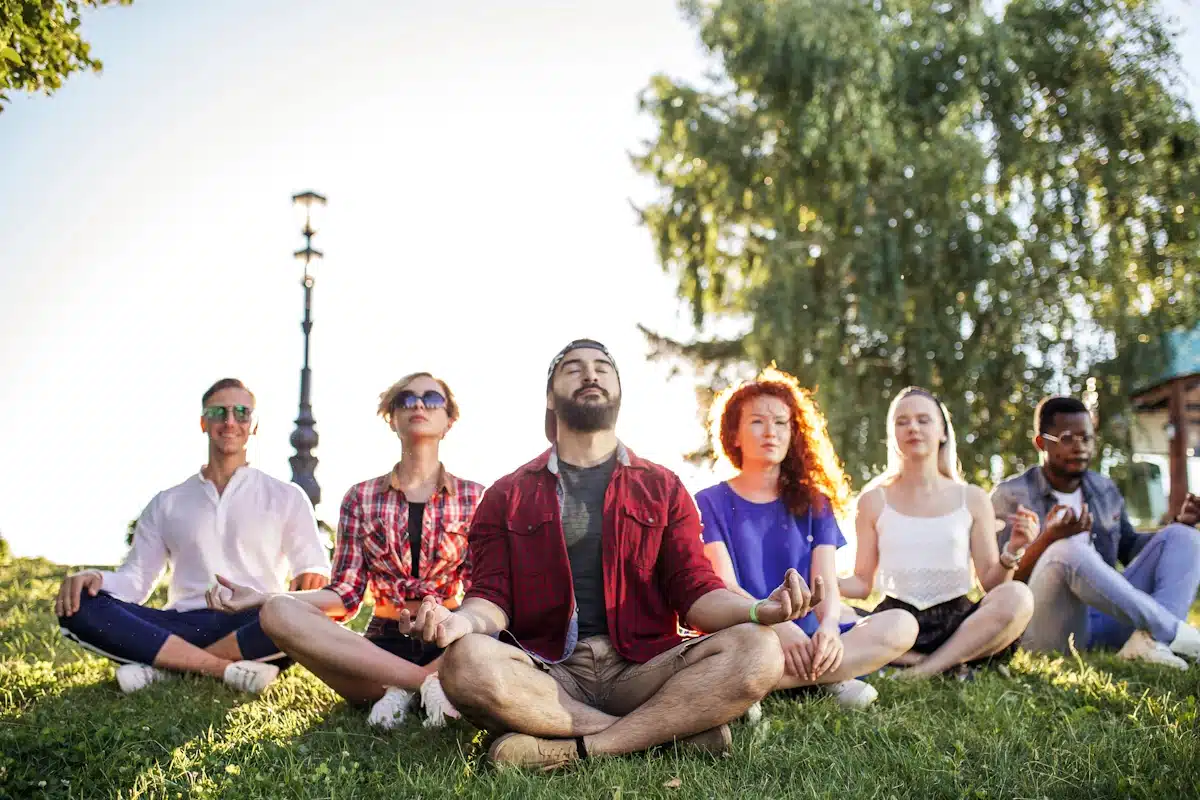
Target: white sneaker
(389, 710)
(1144, 648)
(437, 706)
(1186, 641)
(853, 693)
(131, 677)
(250, 676)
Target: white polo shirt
(258, 533)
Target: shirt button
(651, 520)
(810, 537)
(530, 527)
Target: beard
(588, 417)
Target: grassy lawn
(1060, 727)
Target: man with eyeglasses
(230, 519)
(1071, 566)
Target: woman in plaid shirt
(403, 536)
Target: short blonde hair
(388, 397)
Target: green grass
(1060, 727)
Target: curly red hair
(811, 470)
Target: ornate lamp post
(304, 438)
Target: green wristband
(754, 612)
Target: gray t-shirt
(582, 518)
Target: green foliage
(1061, 727)
(877, 194)
(40, 43)
(5, 551)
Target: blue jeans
(129, 633)
(1076, 592)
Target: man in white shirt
(230, 520)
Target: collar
(445, 481)
(243, 469)
(624, 457)
(1044, 489)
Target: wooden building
(1167, 417)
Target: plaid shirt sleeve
(349, 580)
(488, 552)
(687, 575)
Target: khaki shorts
(597, 675)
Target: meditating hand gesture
(436, 623)
(791, 600)
(1189, 512)
(1062, 522)
(1025, 526)
(233, 598)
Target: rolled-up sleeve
(488, 548)
(349, 579)
(687, 575)
(146, 561)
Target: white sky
(479, 217)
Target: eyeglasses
(1069, 439)
(222, 413)
(408, 400)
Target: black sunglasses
(408, 400)
(222, 413)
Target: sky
(475, 158)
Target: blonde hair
(388, 396)
(947, 451)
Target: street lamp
(304, 438)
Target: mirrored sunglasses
(408, 400)
(223, 413)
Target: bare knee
(471, 672)
(758, 659)
(898, 630)
(1015, 599)
(281, 617)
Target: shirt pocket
(452, 545)
(641, 537)
(379, 542)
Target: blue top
(764, 540)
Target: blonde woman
(926, 533)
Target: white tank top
(924, 561)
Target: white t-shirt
(1073, 501)
(257, 532)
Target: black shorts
(385, 634)
(936, 624)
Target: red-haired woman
(776, 514)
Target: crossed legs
(715, 680)
(349, 664)
(1000, 618)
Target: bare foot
(909, 659)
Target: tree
(40, 44)
(878, 194)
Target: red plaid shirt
(654, 563)
(372, 543)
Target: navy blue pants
(129, 633)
